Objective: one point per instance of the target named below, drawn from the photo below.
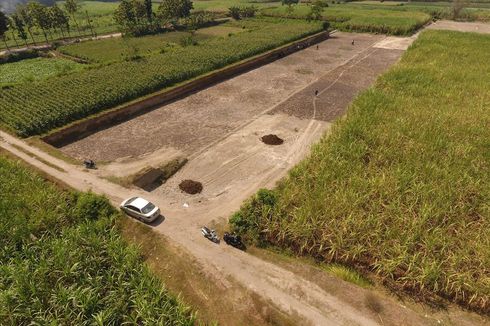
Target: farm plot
(64, 261)
(361, 19)
(401, 186)
(34, 109)
(124, 49)
(36, 69)
(193, 123)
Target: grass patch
(347, 274)
(401, 187)
(31, 70)
(125, 48)
(64, 261)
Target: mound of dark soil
(191, 187)
(271, 140)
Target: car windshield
(148, 208)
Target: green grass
(36, 69)
(63, 260)
(360, 19)
(401, 187)
(120, 48)
(35, 108)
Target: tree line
(136, 17)
(32, 15)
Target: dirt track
(232, 163)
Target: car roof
(139, 202)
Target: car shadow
(160, 219)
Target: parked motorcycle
(210, 234)
(234, 240)
(89, 164)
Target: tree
(11, 27)
(174, 9)
(25, 16)
(139, 10)
(149, 10)
(124, 16)
(72, 7)
(457, 8)
(59, 19)
(290, 4)
(316, 10)
(19, 26)
(40, 15)
(4, 26)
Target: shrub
(91, 206)
(234, 12)
(247, 12)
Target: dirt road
(223, 163)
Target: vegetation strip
(63, 260)
(351, 19)
(401, 187)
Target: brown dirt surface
(272, 140)
(475, 27)
(193, 123)
(339, 87)
(191, 187)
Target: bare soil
(191, 187)
(193, 123)
(461, 26)
(272, 139)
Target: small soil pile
(271, 140)
(191, 187)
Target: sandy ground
(220, 132)
(461, 26)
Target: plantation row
(64, 262)
(36, 108)
(360, 19)
(401, 187)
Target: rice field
(36, 69)
(401, 187)
(64, 262)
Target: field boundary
(81, 129)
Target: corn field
(401, 187)
(63, 262)
(36, 108)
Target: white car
(141, 209)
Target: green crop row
(360, 18)
(401, 187)
(36, 108)
(63, 261)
